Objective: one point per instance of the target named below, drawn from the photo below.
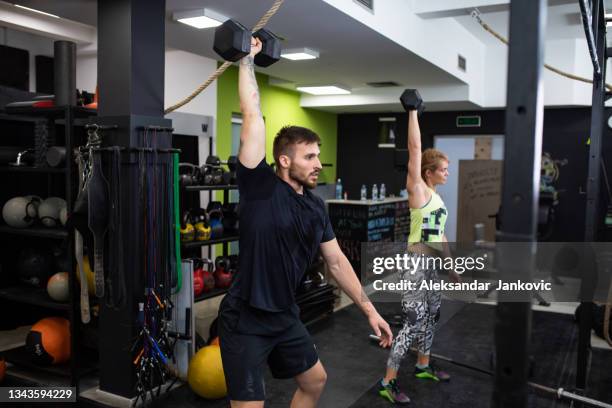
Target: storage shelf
(16, 118)
(211, 188)
(211, 294)
(32, 296)
(53, 112)
(41, 232)
(196, 244)
(30, 169)
(20, 357)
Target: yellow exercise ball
(205, 374)
(89, 273)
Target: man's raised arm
(253, 134)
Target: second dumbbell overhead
(233, 42)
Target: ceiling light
(200, 18)
(35, 11)
(298, 54)
(324, 90)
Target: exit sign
(468, 121)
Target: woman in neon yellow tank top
(428, 214)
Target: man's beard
(304, 181)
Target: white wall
(35, 44)
(570, 55)
(184, 72)
(87, 72)
(436, 40)
(459, 148)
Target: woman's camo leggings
(421, 310)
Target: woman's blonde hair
(430, 160)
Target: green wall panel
(280, 107)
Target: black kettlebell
(188, 174)
(222, 262)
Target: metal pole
(520, 195)
(592, 218)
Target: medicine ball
(57, 287)
(19, 212)
(48, 341)
(34, 266)
(35, 200)
(49, 211)
(205, 373)
(63, 215)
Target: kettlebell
(215, 217)
(199, 218)
(223, 276)
(233, 263)
(212, 175)
(188, 174)
(222, 262)
(198, 281)
(187, 228)
(207, 276)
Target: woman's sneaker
(392, 393)
(431, 372)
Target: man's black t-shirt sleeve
(328, 232)
(257, 183)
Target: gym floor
(465, 333)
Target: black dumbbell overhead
(411, 100)
(271, 48)
(233, 42)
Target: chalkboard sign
(402, 222)
(381, 222)
(356, 223)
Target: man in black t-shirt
(282, 228)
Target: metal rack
(79, 364)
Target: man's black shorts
(251, 338)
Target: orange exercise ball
(48, 341)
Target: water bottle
(364, 193)
(374, 192)
(339, 190)
(383, 192)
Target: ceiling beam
(56, 28)
(429, 9)
(455, 8)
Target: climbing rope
(262, 22)
(477, 16)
